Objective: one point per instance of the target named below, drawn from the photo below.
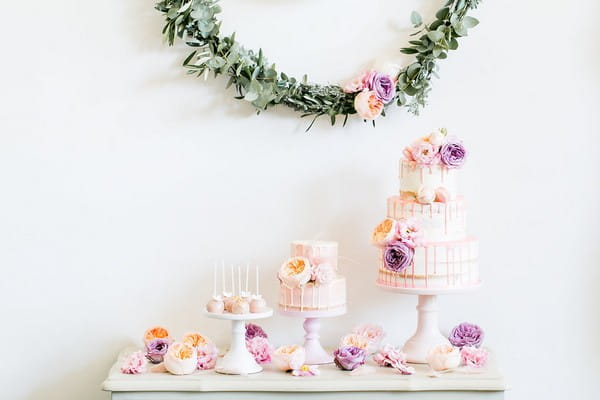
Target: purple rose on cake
(381, 84)
(453, 153)
(349, 358)
(466, 334)
(253, 330)
(156, 350)
(397, 256)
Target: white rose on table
(289, 357)
(444, 357)
(181, 359)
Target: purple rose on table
(466, 334)
(453, 153)
(156, 350)
(349, 357)
(397, 256)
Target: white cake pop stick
(247, 268)
(232, 281)
(215, 279)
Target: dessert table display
(384, 383)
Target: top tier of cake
(423, 180)
(317, 251)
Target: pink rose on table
(289, 357)
(368, 105)
(135, 363)
(474, 357)
(253, 330)
(207, 356)
(453, 153)
(409, 232)
(323, 274)
(349, 357)
(443, 357)
(391, 356)
(260, 348)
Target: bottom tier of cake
(313, 297)
(443, 265)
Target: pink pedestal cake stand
(428, 333)
(315, 353)
(238, 360)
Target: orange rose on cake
(295, 272)
(157, 332)
(384, 233)
(181, 359)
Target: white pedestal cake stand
(238, 360)
(315, 353)
(428, 333)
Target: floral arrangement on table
(257, 81)
(257, 343)
(392, 357)
(398, 238)
(291, 358)
(356, 346)
(194, 352)
(464, 350)
(299, 271)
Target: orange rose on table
(157, 332)
(355, 340)
(295, 272)
(289, 357)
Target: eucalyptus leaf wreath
(257, 81)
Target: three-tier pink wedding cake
(423, 242)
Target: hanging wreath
(257, 81)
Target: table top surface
(331, 379)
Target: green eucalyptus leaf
(435, 36)
(416, 19)
(470, 22)
(408, 50)
(443, 13)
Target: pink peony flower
(207, 356)
(474, 357)
(373, 333)
(409, 232)
(367, 105)
(323, 274)
(307, 370)
(135, 363)
(391, 356)
(424, 153)
(260, 348)
(253, 330)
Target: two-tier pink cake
(309, 279)
(423, 242)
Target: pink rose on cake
(385, 232)
(409, 232)
(181, 359)
(289, 357)
(323, 274)
(295, 272)
(423, 153)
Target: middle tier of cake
(440, 222)
(435, 265)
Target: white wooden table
(332, 384)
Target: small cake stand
(238, 360)
(428, 332)
(315, 353)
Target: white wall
(122, 179)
